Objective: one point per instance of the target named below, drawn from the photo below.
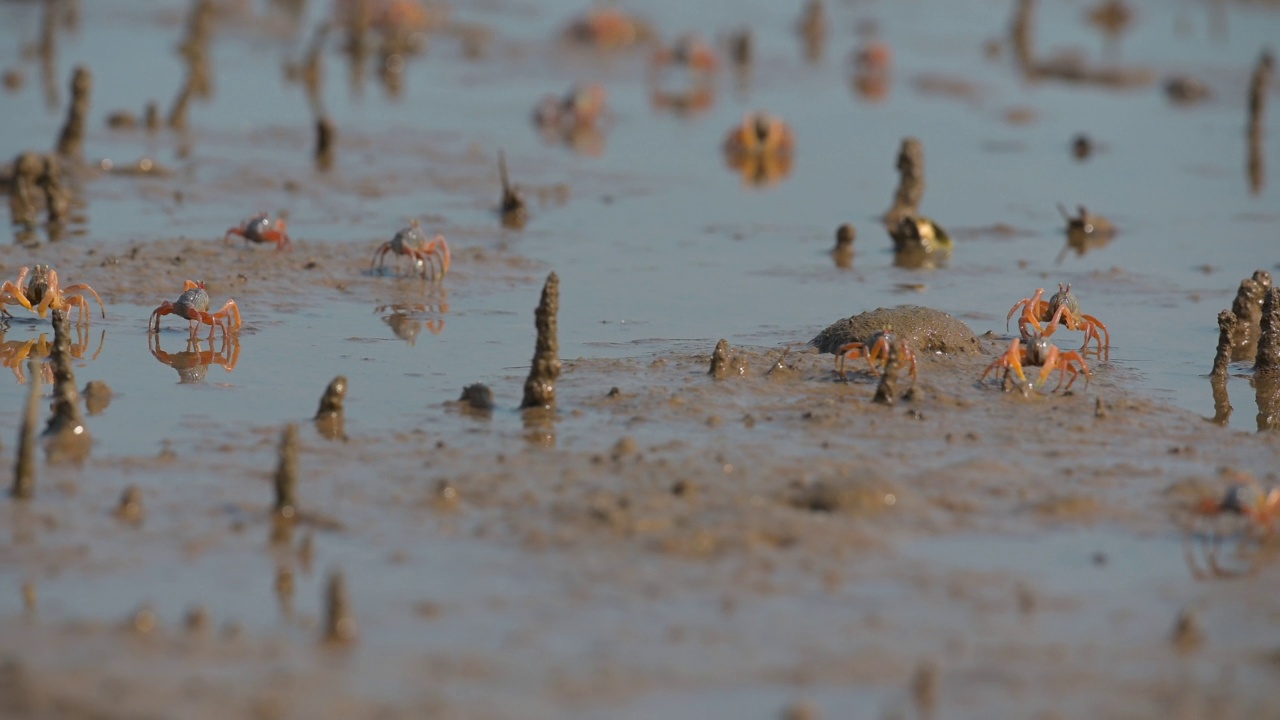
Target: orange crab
(760, 149)
(43, 293)
(759, 134)
(607, 28)
(391, 16)
(1040, 352)
(689, 51)
(193, 305)
(579, 109)
(876, 349)
(681, 77)
(260, 229)
(429, 255)
(1061, 308)
(576, 120)
(1248, 500)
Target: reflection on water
(871, 71)
(1066, 67)
(1238, 555)
(842, 253)
(685, 102)
(1085, 231)
(407, 320)
(14, 352)
(760, 149)
(812, 30)
(576, 120)
(193, 363)
(413, 308)
(1267, 394)
(1250, 331)
(682, 77)
(1259, 86)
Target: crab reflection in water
(14, 352)
(760, 149)
(193, 363)
(407, 320)
(682, 77)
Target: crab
(193, 305)
(607, 28)
(694, 100)
(1251, 544)
(579, 109)
(42, 292)
(760, 149)
(260, 229)
(429, 255)
(391, 16)
(1040, 352)
(1061, 308)
(759, 134)
(876, 348)
(872, 67)
(681, 77)
(1247, 500)
(689, 51)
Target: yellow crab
(42, 293)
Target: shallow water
(661, 250)
(660, 241)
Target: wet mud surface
(661, 529)
(657, 535)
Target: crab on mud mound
(43, 292)
(876, 348)
(193, 305)
(1040, 352)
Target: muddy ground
(664, 542)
